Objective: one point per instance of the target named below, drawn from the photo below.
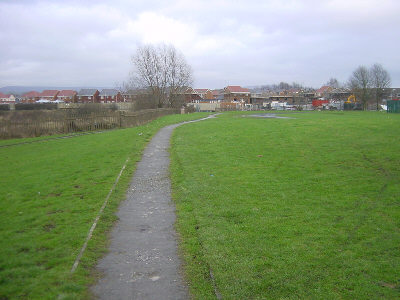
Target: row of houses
(232, 93)
(238, 94)
(83, 96)
(291, 97)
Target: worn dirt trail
(143, 262)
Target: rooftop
(67, 93)
(236, 89)
(87, 92)
(49, 93)
(109, 92)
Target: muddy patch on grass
(51, 212)
(49, 227)
(268, 116)
(53, 195)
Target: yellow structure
(351, 99)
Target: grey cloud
(250, 42)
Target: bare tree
(360, 83)
(333, 82)
(297, 85)
(284, 85)
(179, 77)
(380, 80)
(164, 71)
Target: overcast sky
(89, 43)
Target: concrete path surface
(143, 262)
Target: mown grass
(302, 208)
(51, 192)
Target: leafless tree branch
(164, 71)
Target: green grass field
(302, 208)
(51, 192)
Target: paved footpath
(143, 262)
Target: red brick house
(30, 97)
(67, 95)
(88, 95)
(134, 95)
(209, 95)
(204, 94)
(49, 95)
(323, 91)
(3, 98)
(218, 94)
(294, 91)
(191, 96)
(200, 92)
(233, 93)
(7, 98)
(110, 95)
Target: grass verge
(301, 208)
(50, 194)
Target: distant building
(110, 95)
(50, 95)
(7, 98)
(88, 95)
(282, 98)
(258, 99)
(30, 97)
(339, 94)
(201, 92)
(392, 93)
(67, 96)
(294, 91)
(323, 91)
(3, 98)
(218, 94)
(235, 93)
(191, 96)
(133, 95)
(204, 94)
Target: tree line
(369, 83)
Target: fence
(393, 106)
(61, 122)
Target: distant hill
(19, 90)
